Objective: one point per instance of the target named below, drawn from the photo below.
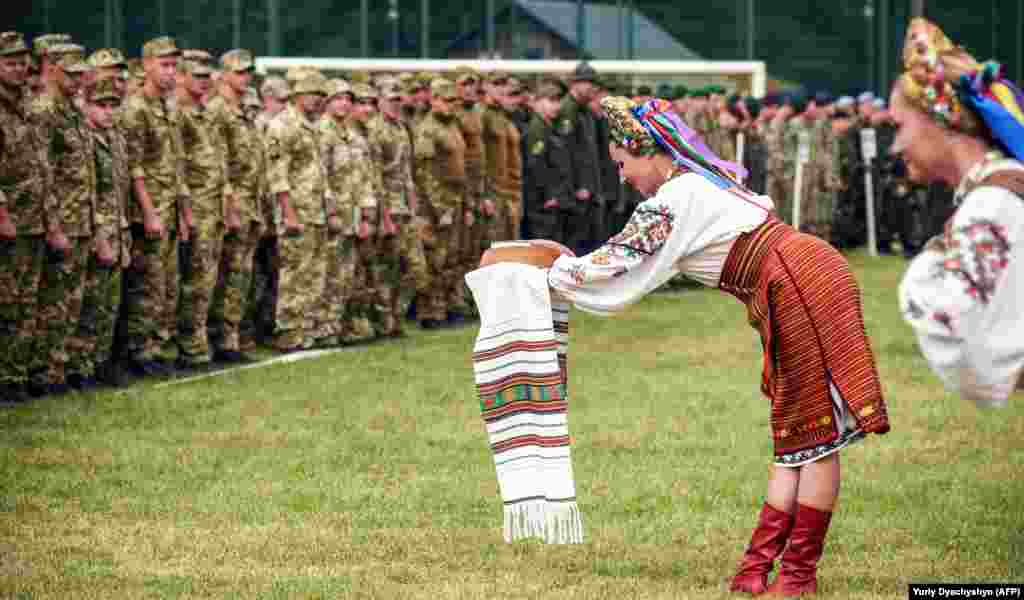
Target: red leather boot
(766, 545)
(798, 574)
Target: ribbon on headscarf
(999, 103)
(685, 146)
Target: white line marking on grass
(284, 359)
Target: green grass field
(366, 474)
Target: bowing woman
(818, 372)
(961, 123)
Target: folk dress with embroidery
(964, 296)
(688, 227)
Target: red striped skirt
(804, 301)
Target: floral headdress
(946, 82)
(652, 126)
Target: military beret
(12, 42)
(237, 60)
(702, 92)
(103, 89)
(42, 43)
(679, 92)
(161, 46)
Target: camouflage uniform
(820, 175)
(510, 187)
(23, 193)
(364, 183)
(403, 272)
(441, 176)
(71, 157)
(206, 174)
(246, 170)
(470, 120)
(93, 342)
(495, 134)
(296, 167)
(339, 247)
(156, 156)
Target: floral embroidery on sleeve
(645, 233)
(977, 254)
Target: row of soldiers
(163, 216)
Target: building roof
(603, 35)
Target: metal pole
(425, 28)
(274, 32)
(108, 23)
(621, 14)
(162, 8)
(237, 17)
(119, 24)
(393, 16)
(489, 7)
(884, 46)
(581, 32)
(869, 16)
(751, 31)
(629, 32)
(916, 8)
(364, 28)
(46, 16)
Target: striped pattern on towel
(519, 360)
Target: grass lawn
(366, 474)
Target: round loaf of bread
(522, 252)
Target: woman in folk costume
(818, 372)
(962, 123)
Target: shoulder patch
(537, 148)
(565, 126)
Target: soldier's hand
(488, 207)
(414, 202)
(104, 253)
(7, 230)
(583, 195)
(334, 224)
(233, 221)
(469, 218)
(153, 226)
(551, 204)
(184, 230)
(363, 232)
(292, 227)
(57, 241)
(388, 226)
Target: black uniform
(547, 160)
(575, 124)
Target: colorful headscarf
(652, 126)
(946, 82)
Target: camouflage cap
(443, 88)
(497, 77)
(425, 77)
(364, 91)
(161, 46)
(237, 60)
(275, 87)
(313, 83)
(294, 74)
(70, 57)
(12, 42)
(359, 77)
(516, 87)
(195, 66)
(103, 89)
(466, 74)
(337, 87)
(107, 57)
(389, 87)
(42, 43)
(136, 69)
(549, 89)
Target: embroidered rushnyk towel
(519, 360)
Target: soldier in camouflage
(109, 63)
(73, 184)
(495, 138)
(41, 45)
(299, 183)
(90, 348)
(214, 210)
(477, 208)
(404, 270)
(441, 177)
(510, 185)
(246, 182)
(339, 247)
(160, 213)
(24, 200)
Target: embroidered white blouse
(965, 300)
(688, 227)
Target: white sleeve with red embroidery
(688, 215)
(966, 302)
